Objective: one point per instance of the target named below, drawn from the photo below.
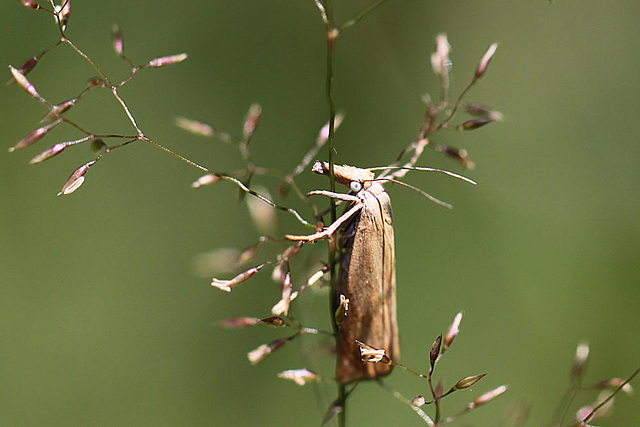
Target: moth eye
(355, 186)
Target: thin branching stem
(611, 396)
(364, 12)
(411, 371)
(227, 177)
(436, 398)
(86, 58)
(142, 137)
(408, 402)
(332, 34)
(454, 110)
(114, 91)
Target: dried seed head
(76, 179)
(29, 65)
(207, 179)
(238, 322)
(300, 376)
(435, 351)
(484, 62)
(468, 382)
(30, 4)
(290, 252)
(342, 311)
(34, 136)
(256, 356)
(281, 269)
(194, 126)
(264, 216)
(48, 153)
(26, 68)
(95, 81)
(25, 84)
(474, 124)
(452, 332)
(483, 111)
(98, 145)
(66, 10)
(226, 285)
(459, 155)
(278, 273)
(282, 306)
(437, 390)
(58, 110)
(322, 138)
(334, 409)
(276, 322)
(580, 361)
(583, 413)
(607, 407)
(165, 60)
(219, 261)
(61, 13)
(440, 61)
(418, 401)
(614, 383)
(323, 135)
(518, 414)
(259, 354)
(486, 397)
(372, 354)
(116, 38)
(251, 121)
(603, 406)
(315, 277)
(248, 254)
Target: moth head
(354, 178)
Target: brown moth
(366, 282)
(367, 272)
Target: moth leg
(329, 230)
(339, 196)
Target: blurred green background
(103, 320)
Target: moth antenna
(418, 168)
(419, 191)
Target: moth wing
(367, 279)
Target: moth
(366, 276)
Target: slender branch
(456, 105)
(332, 35)
(408, 402)
(611, 396)
(227, 177)
(114, 91)
(364, 12)
(86, 58)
